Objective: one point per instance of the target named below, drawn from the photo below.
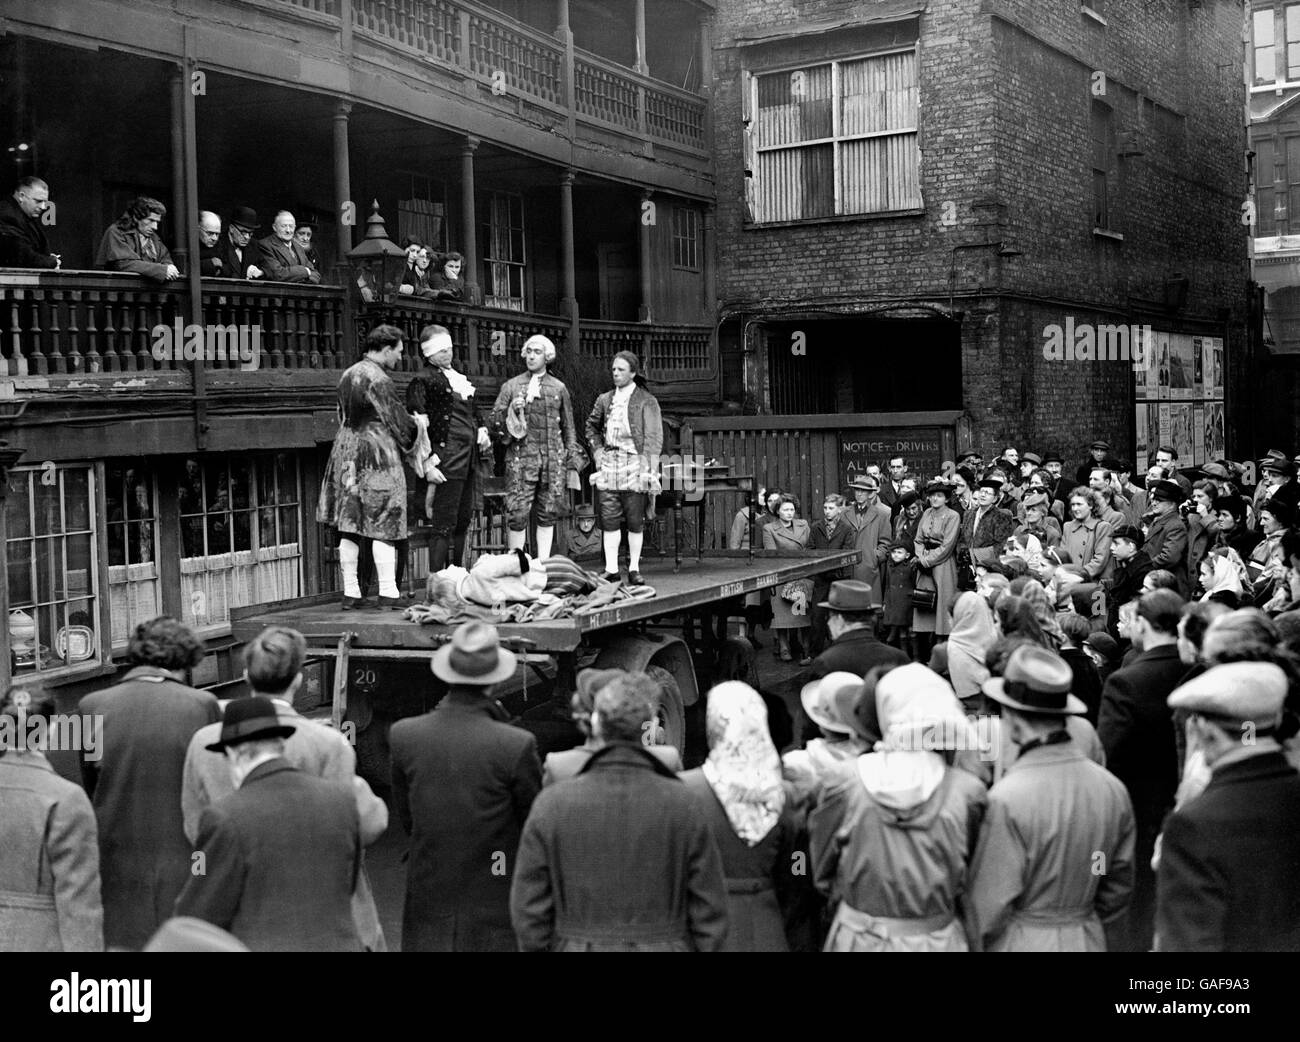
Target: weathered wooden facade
(562, 146)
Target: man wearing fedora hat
(620, 858)
(463, 783)
(1054, 859)
(1228, 858)
(1166, 532)
(280, 855)
(852, 608)
(238, 252)
(1278, 484)
(871, 521)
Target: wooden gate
(813, 456)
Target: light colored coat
(1055, 856)
(874, 534)
(943, 524)
(49, 861)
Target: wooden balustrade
(666, 352)
(532, 63)
(429, 26)
(81, 323)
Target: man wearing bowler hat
(463, 783)
(237, 251)
(872, 523)
(1228, 859)
(852, 606)
(1054, 859)
(1166, 535)
(279, 856)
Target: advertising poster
(1141, 435)
(1162, 430)
(1198, 433)
(1198, 368)
(1216, 379)
(1214, 447)
(1182, 367)
(1180, 430)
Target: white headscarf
(919, 714)
(743, 767)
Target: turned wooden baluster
(37, 363)
(76, 360)
(15, 339)
(94, 361)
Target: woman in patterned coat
(363, 493)
(936, 549)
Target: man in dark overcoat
(277, 859)
(1229, 857)
(1136, 728)
(463, 783)
(620, 858)
(135, 785)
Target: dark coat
(1124, 584)
(463, 783)
(985, 543)
(121, 250)
(759, 879)
(872, 535)
(281, 857)
(1166, 545)
(1229, 861)
(22, 239)
(210, 263)
(1086, 683)
(430, 392)
(144, 857)
(233, 267)
(1136, 728)
(620, 858)
(284, 261)
(856, 652)
(568, 763)
(899, 582)
(841, 539)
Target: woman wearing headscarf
(740, 791)
(1036, 594)
(894, 832)
(936, 549)
(973, 633)
(1223, 576)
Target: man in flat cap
(463, 783)
(1097, 452)
(277, 860)
(1229, 858)
(1054, 859)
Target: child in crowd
(899, 580)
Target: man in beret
(1166, 532)
(1136, 728)
(1054, 859)
(463, 783)
(1229, 858)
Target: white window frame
(754, 150)
(133, 575)
(491, 261)
(94, 591)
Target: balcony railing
(87, 322)
(82, 323)
(483, 43)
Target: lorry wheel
(669, 661)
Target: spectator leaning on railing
(22, 239)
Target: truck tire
(637, 653)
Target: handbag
(925, 599)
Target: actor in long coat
(742, 796)
(144, 857)
(49, 860)
(281, 856)
(533, 417)
(620, 858)
(893, 833)
(463, 783)
(1055, 854)
(936, 548)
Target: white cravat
(460, 384)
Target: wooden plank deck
(717, 577)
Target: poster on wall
(1214, 446)
(1215, 378)
(1162, 367)
(1181, 367)
(1153, 430)
(923, 448)
(1180, 431)
(1198, 367)
(1198, 434)
(1162, 431)
(1141, 434)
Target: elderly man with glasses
(238, 252)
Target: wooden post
(469, 221)
(180, 216)
(342, 178)
(8, 457)
(565, 33)
(191, 155)
(568, 263)
(646, 312)
(642, 66)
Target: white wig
(544, 342)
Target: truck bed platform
(720, 575)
